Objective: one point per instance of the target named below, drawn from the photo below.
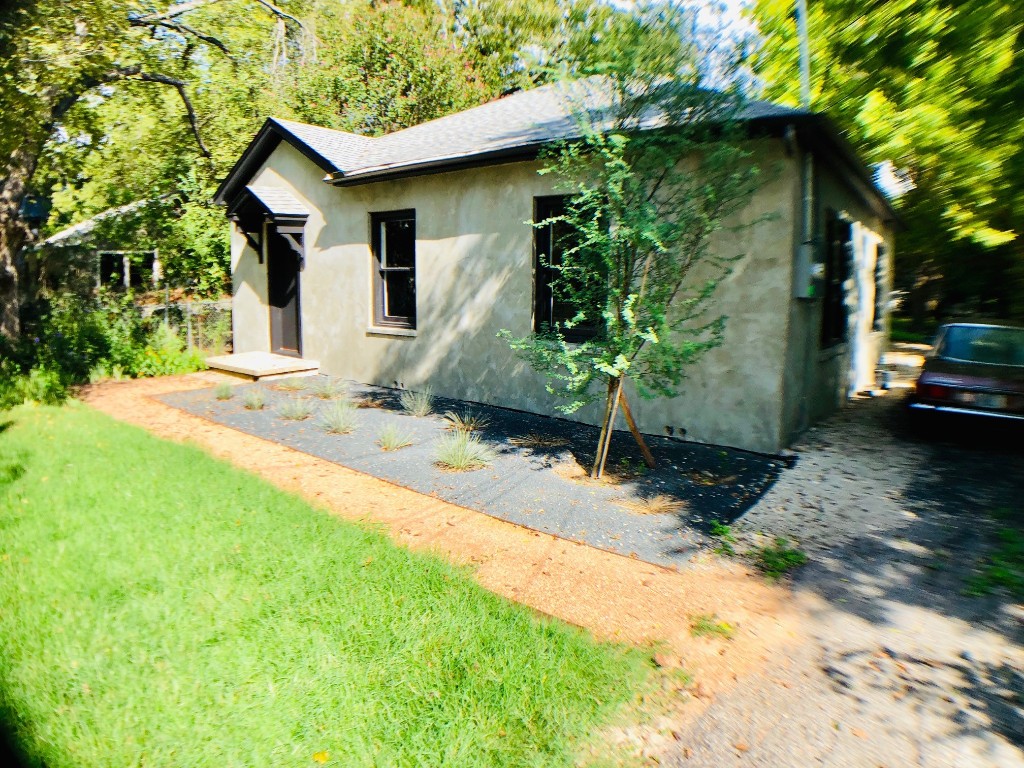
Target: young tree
(656, 169)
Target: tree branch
(281, 14)
(179, 86)
(174, 10)
(185, 31)
(182, 8)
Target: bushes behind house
(76, 340)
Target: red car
(975, 370)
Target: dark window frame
(838, 254)
(881, 286)
(381, 271)
(545, 207)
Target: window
(393, 240)
(838, 254)
(881, 285)
(550, 242)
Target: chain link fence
(201, 325)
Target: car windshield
(991, 344)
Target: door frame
(292, 234)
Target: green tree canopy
(934, 87)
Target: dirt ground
(614, 597)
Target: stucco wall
(474, 263)
(250, 319)
(819, 380)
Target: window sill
(383, 330)
(835, 350)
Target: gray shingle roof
(278, 201)
(339, 148)
(519, 121)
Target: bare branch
(182, 8)
(175, 10)
(179, 86)
(281, 14)
(184, 30)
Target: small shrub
(462, 451)
(328, 389)
(708, 625)
(295, 409)
(417, 403)
(224, 392)
(290, 385)
(39, 385)
(391, 438)
(165, 355)
(339, 418)
(253, 400)
(725, 537)
(465, 422)
(778, 559)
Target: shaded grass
(1002, 566)
(158, 607)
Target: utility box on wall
(809, 273)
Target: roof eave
(263, 144)
(820, 124)
(443, 164)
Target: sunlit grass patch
(159, 607)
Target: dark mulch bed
(537, 484)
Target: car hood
(1003, 378)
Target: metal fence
(203, 325)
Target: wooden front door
(283, 263)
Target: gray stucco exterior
(474, 277)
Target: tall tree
(933, 87)
(54, 54)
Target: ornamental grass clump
(339, 418)
(391, 438)
(463, 451)
(295, 409)
(253, 400)
(328, 389)
(224, 392)
(417, 403)
(465, 422)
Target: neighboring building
(396, 260)
(76, 258)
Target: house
(396, 260)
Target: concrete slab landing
(263, 365)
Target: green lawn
(161, 608)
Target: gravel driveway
(900, 667)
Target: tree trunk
(20, 167)
(607, 429)
(604, 429)
(648, 456)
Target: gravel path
(900, 667)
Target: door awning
(269, 204)
(280, 205)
